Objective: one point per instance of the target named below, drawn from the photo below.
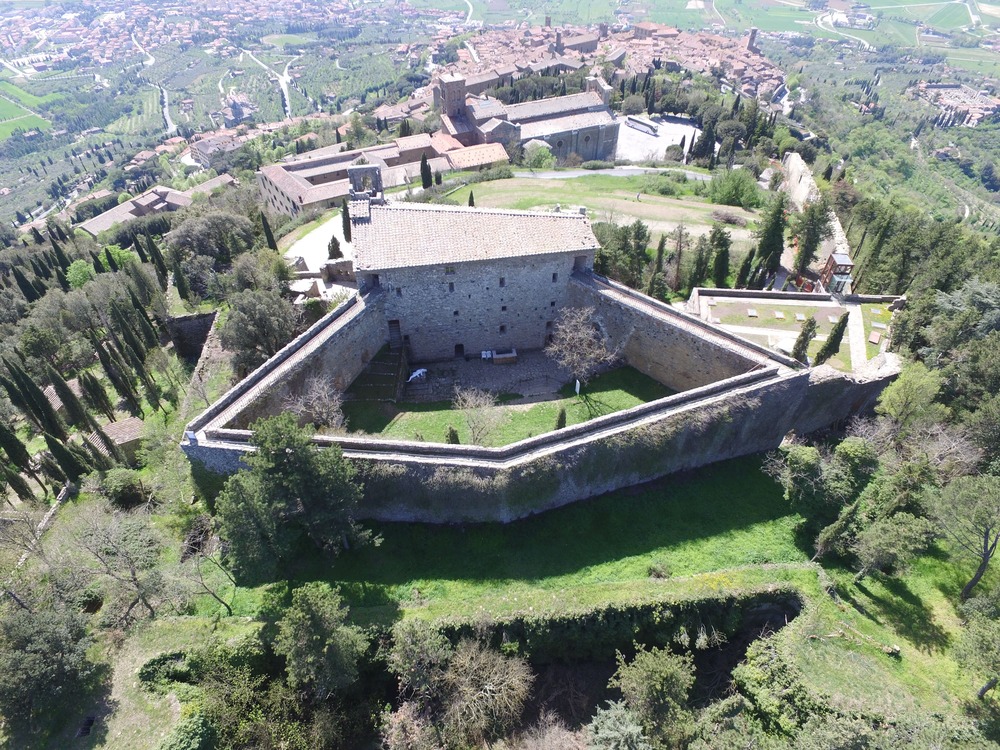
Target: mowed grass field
(606, 198)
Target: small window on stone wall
(503, 281)
(451, 286)
(503, 330)
(449, 270)
(455, 313)
(399, 291)
(548, 325)
(555, 278)
(503, 308)
(552, 303)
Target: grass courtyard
(614, 391)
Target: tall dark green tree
(268, 234)
(76, 413)
(812, 226)
(73, 464)
(472, 200)
(30, 293)
(426, 176)
(832, 344)
(771, 234)
(16, 451)
(702, 259)
(720, 241)
(180, 281)
(94, 394)
(345, 218)
(10, 475)
(61, 256)
(333, 250)
(801, 349)
(45, 414)
(110, 259)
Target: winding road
(164, 94)
(283, 80)
(468, 16)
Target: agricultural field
(282, 40)
(26, 122)
(146, 116)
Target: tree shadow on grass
(672, 514)
(910, 617)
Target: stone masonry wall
(465, 305)
(679, 359)
(347, 350)
(431, 485)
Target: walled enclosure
(759, 400)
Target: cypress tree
(832, 344)
(181, 283)
(159, 265)
(72, 463)
(37, 236)
(127, 329)
(140, 251)
(61, 278)
(76, 413)
(119, 381)
(17, 452)
(426, 178)
(21, 488)
(112, 264)
(146, 326)
(96, 263)
(801, 349)
(98, 459)
(720, 268)
(95, 396)
(40, 288)
(268, 234)
(29, 292)
(46, 416)
(743, 276)
(17, 398)
(51, 469)
(345, 217)
(109, 444)
(472, 200)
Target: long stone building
(580, 124)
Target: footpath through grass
(613, 391)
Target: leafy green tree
(79, 273)
(656, 686)
(260, 323)
(616, 727)
(811, 227)
(321, 651)
(801, 349)
(908, 403)
(967, 510)
(292, 492)
(735, 187)
(889, 544)
(43, 662)
(978, 648)
(831, 346)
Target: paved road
(569, 174)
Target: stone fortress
(442, 282)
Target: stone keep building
(460, 281)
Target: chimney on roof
(548, 22)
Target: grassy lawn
(27, 122)
(620, 389)
(608, 198)
(875, 313)
(728, 516)
(280, 40)
(735, 314)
